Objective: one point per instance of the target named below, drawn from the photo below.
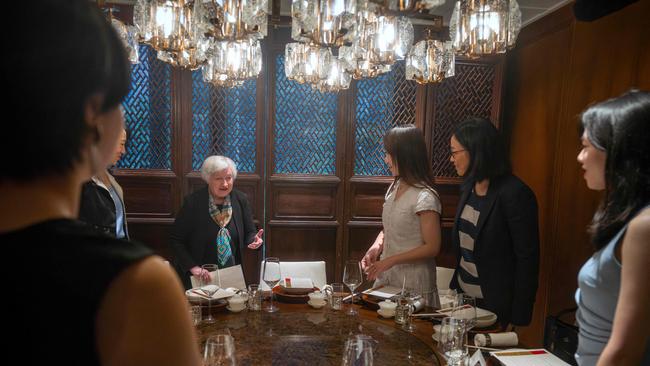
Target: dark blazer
(506, 249)
(192, 240)
(98, 209)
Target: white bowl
(387, 315)
(316, 305)
(235, 310)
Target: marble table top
(300, 335)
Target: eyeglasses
(453, 153)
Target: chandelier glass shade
(430, 61)
(233, 62)
(129, 36)
(323, 22)
(484, 27)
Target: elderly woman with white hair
(215, 224)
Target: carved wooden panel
(300, 201)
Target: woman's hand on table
(257, 241)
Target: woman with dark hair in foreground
(75, 296)
(614, 294)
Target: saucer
(316, 305)
(235, 310)
(386, 315)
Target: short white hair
(217, 163)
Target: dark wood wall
(559, 67)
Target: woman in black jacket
(215, 224)
(496, 229)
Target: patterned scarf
(222, 218)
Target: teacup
(316, 297)
(237, 302)
(387, 307)
(317, 303)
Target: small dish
(236, 310)
(316, 305)
(387, 315)
(296, 285)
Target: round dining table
(298, 334)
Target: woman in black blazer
(215, 224)
(496, 229)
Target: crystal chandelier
(220, 35)
(484, 27)
(307, 63)
(430, 61)
(337, 78)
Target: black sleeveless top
(55, 275)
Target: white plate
(385, 315)
(221, 294)
(484, 318)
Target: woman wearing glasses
(495, 229)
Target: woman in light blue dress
(614, 289)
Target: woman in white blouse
(404, 250)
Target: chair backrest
(443, 277)
(314, 270)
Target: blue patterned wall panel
(381, 103)
(224, 123)
(305, 127)
(147, 112)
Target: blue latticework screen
(147, 111)
(381, 103)
(468, 94)
(305, 127)
(224, 123)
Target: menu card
(527, 357)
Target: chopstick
(434, 315)
(482, 348)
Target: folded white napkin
(219, 294)
(496, 339)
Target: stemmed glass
(210, 284)
(358, 350)
(411, 296)
(219, 350)
(271, 277)
(352, 278)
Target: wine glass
(271, 277)
(352, 278)
(219, 350)
(412, 296)
(210, 284)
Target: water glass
(447, 298)
(254, 297)
(465, 309)
(336, 296)
(219, 351)
(401, 310)
(195, 313)
(358, 351)
(452, 341)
